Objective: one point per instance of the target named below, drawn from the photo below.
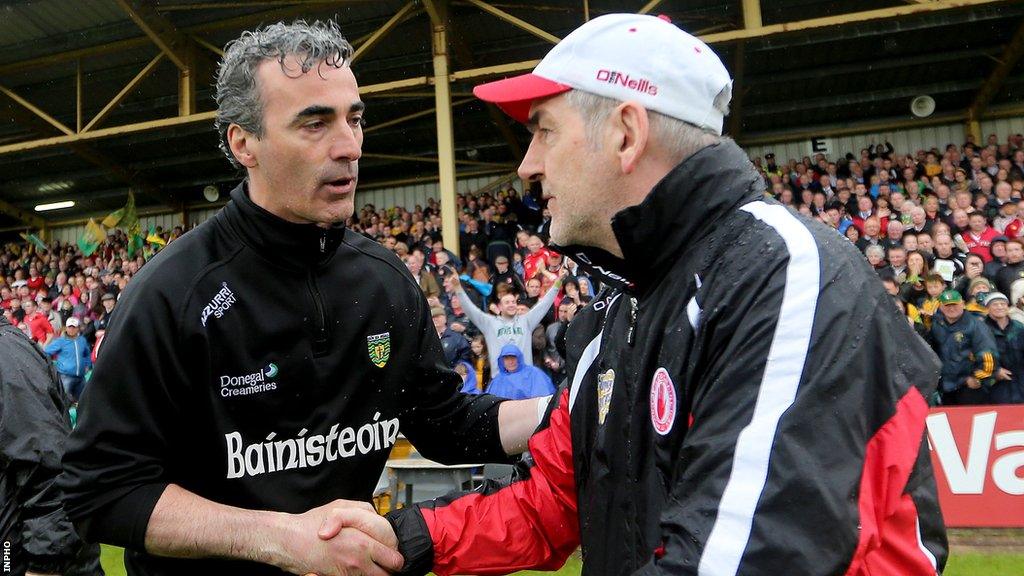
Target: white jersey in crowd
(498, 331)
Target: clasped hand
(342, 538)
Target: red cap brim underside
(515, 95)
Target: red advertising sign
(978, 457)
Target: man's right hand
(341, 538)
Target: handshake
(340, 538)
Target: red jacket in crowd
(981, 244)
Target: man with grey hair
(919, 221)
(718, 421)
(876, 256)
(893, 234)
(257, 371)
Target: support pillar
(445, 132)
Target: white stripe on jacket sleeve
(783, 369)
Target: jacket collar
(680, 210)
(285, 242)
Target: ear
(632, 132)
(244, 145)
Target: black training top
(265, 365)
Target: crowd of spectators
(500, 311)
(941, 227)
(63, 300)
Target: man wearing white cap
(735, 405)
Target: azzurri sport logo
(248, 384)
(307, 451)
(221, 302)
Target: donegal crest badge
(379, 346)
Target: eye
(315, 125)
(357, 121)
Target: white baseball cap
(636, 57)
(74, 322)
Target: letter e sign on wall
(820, 145)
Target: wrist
(269, 543)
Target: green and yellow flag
(35, 241)
(155, 238)
(136, 242)
(91, 239)
(125, 217)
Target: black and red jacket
(747, 400)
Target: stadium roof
(97, 96)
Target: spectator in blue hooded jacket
(468, 374)
(517, 379)
(72, 358)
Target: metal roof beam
(108, 132)
(140, 41)
(412, 116)
(384, 30)
(160, 31)
(434, 11)
(843, 19)
(650, 6)
(130, 177)
(20, 215)
(92, 155)
(128, 89)
(177, 46)
(860, 97)
(38, 112)
(894, 26)
(833, 131)
(872, 126)
(498, 118)
(751, 21)
(433, 160)
(868, 67)
(517, 22)
(1007, 62)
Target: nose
(531, 168)
(347, 144)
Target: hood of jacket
(510, 350)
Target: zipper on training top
(631, 335)
(319, 318)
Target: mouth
(344, 185)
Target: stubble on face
(575, 176)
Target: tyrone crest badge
(379, 347)
(663, 402)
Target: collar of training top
(678, 212)
(288, 242)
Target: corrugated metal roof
(24, 24)
(797, 80)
